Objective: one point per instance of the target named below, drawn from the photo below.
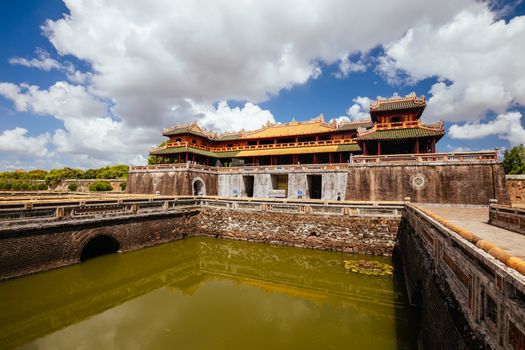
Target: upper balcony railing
(410, 124)
(256, 147)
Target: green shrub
(7, 186)
(72, 187)
(100, 186)
(122, 186)
(24, 186)
(15, 186)
(41, 187)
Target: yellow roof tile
(291, 129)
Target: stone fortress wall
(454, 181)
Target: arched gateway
(99, 245)
(198, 186)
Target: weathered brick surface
(371, 235)
(34, 250)
(516, 185)
(176, 182)
(441, 320)
(446, 183)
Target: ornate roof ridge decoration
(317, 120)
(194, 128)
(398, 102)
(437, 127)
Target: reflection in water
(204, 293)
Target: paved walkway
(475, 220)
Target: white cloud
(15, 141)
(360, 109)
(154, 64)
(347, 66)
(90, 136)
(476, 57)
(507, 126)
(224, 118)
(150, 58)
(44, 61)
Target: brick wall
(445, 183)
(170, 182)
(467, 298)
(363, 235)
(507, 217)
(25, 251)
(32, 248)
(516, 185)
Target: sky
(90, 83)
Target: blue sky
(91, 83)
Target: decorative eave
(397, 102)
(421, 130)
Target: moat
(205, 293)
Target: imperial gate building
(390, 156)
(395, 128)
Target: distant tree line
(29, 180)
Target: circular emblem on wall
(418, 182)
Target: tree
(514, 160)
(113, 172)
(54, 177)
(100, 186)
(72, 186)
(90, 174)
(152, 160)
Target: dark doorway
(314, 186)
(248, 185)
(198, 188)
(99, 245)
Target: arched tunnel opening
(98, 246)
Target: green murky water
(204, 293)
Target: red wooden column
(417, 146)
(187, 157)
(315, 158)
(340, 157)
(433, 145)
(378, 147)
(330, 158)
(364, 148)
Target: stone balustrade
(359, 160)
(480, 281)
(507, 217)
